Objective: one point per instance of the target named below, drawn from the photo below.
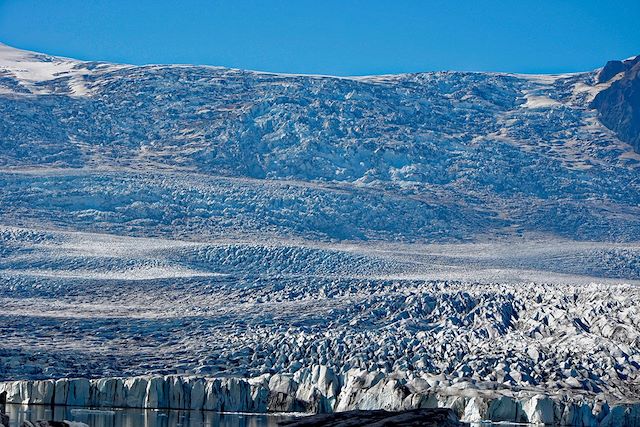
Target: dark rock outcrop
(418, 417)
(43, 423)
(619, 105)
(610, 70)
(4, 419)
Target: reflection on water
(139, 417)
(155, 417)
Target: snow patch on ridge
(538, 101)
(143, 273)
(34, 67)
(35, 72)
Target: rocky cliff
(619, 105)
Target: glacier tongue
(308, 313)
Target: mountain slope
(427, 156)
(619, 104)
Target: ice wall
(319, 390)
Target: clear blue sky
(340, 37)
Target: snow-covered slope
(471, 228)
(457, 155)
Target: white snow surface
(448, 228)
(34, 67)
(537, 101)
(34, 70)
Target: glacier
(177, 236)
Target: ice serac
(475, 410)
(42, 392)
(135, 391)
(196, 388)
(107, 390)
(506, 409)
(622, 416)
(61, 392)
(156, 394)
(539, 410)
(78, 393)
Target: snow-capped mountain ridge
(10, 57)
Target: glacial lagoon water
(121, 417)
(118, 417)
